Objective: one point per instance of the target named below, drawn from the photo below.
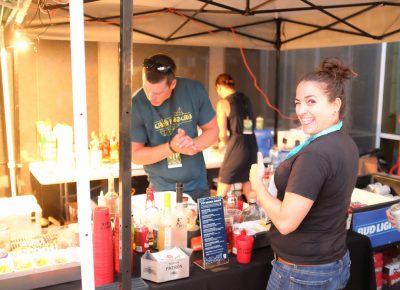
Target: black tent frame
(193, 14)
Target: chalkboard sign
(213, 234)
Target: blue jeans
(329, 276)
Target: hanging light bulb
(21, 42)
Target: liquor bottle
(179, 227)
(151, 216)
(105, 147)
(252, 212)
(268, 173)
(111, 198)
(231, 199)
(95, 152)
(164, 238)
(114, 145)
(117, 245)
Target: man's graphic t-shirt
(188, 107)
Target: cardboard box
(164, 271)
(391, 273)
(367, 165)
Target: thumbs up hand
(257, 171)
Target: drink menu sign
(212, 227)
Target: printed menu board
(212, 227)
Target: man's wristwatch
(170, 146)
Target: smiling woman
(314, 185)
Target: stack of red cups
(102, 247)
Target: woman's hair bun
(336, 69)
(225, 79)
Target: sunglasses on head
(149, 63)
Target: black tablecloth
(229, 276)
(255, 275)
(362, 271)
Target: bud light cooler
(371, 221)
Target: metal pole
(278, 43)
(81, 142)
(125, 95)
(7, 114)
(380, 95)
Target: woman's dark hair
(333, 73)
(225, 80)
(153, 72)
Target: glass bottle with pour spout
(111, 198)
(164, 238)
(151, 217)
(179, 229)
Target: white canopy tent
(260, 24)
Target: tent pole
(380, 95)
(81, 142)
(278, 43)
(125, 159)
(277, 83)
(7, 114)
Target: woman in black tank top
(236, 132)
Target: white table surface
(47, 175)
(369, 198)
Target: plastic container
(265, 140)
(4, 239)
(22, 216)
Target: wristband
(170, 147)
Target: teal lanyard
(298, 148)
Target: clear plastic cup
(395, 211)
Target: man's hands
(184, 144)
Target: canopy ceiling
(13, 10)
(262, 24)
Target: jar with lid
(4, 240)
(259, 123)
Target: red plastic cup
(102, 247)
(244, 246)
(101, 221)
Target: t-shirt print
(166, 126)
